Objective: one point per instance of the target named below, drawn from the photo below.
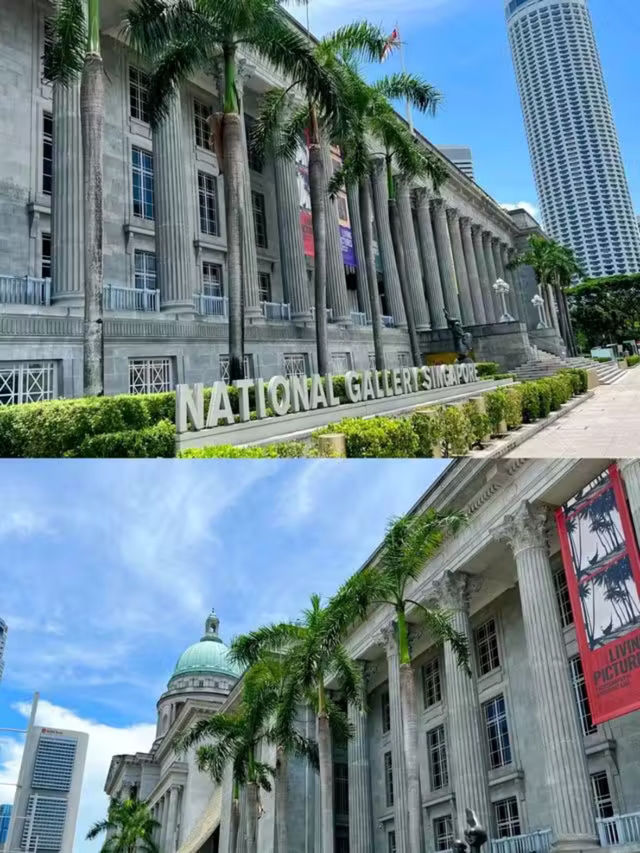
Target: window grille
(260, 219)
(443, 832)
(582, 698)
(47, 153)
(507, 817)
(27, 381)
(437, 752)
(142, 181)
(45, 256)
(150, 375)
(212, 279)
(295, 364)
(145, 270)
(340, 363)
(487, 647)
(138, 94)
(385, 707)
(431, 683)
(200, 124)
(225, 375)
(208, 203)
(497, 728)
(388, 779)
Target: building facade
(165, 295)
(4, 630)
(5, 817)
(460, 156)
(582, 187)
(45, 808)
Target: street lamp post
(538, 302)
(20, 783)
(502, 288)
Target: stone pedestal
(173, 249)
(400, 813)
(472, 271)
(429, 256)
(292, 258)
(67, 218)
(412, 258)
(390, 274)
(561, 738)
(464, 289)
(445, 257)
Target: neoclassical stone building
(516, 740)
(164, 242)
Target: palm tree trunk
(235, 823)
(252, 817)
(232, 144)
(364, 190)
(92, 119)
(325, 757)
(317, 192)
(396, 236)
(281, 800)
(409, 734)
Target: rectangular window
(431, 684)
(495, 717)
(225, 376)
(507, 817)
(391, 842)
(142, 175)
(487, 647)
(45, 252)
(388, 779)
(341, 788)
(212, 279)
(562, 597)
(295, 364)
(264, 286)
(208, 202)
(150, 375)
(138, 94)
(27, 381)
(602, 794)
(256, 163)
(145, 270)
(443, 832)
(582, 698)
(340, 363)
(200, 124)
(437, 753)
(385, 708)
(47, 153)
(260, 219)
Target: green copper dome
(208, 657)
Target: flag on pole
(391, 42)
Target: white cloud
(531, 209)
(23, 522)
(104, 742)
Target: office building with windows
(3, 641)
(460, 156)
(5, 817)
(582, 187)
(165, 294)
(516, 741)
(48, 795)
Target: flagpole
(404, 71)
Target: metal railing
(388, 321)
(117, 298)
(619, 829)
(276, 310)
(532, 842)
(25, 290)
(329, 313)
(212, 306)
(358, 318)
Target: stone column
(252, 310)
(163, 824)
(360, 816)
(173, 245)
(385, 243)
(472, 271)
(412, 258)
(465, 732)
(630, 472)
(353, 198)
(337, 298)
(67, 230)
(483, 272)
(552, 307)
(294, 266)
(464, 289)
(492, 272)
(445, 257)
(400, 813)
(171, 820)
(429, 256)
(547, 666)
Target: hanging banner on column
(344, 220)
(302, 169)
(602, 566)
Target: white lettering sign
(295, 394)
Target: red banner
(602, 566)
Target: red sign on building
(602, 565)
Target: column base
(73, 301)
(254, 316)
(424, 328)
(302, 317)
(576, 844)
(186, 310)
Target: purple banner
(348, 252)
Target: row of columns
(449, 263)
(165, 811)
(566, 770)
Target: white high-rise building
(582, 186)
(3, 639)
(48, 795)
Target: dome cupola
(209, 656)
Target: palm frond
(420, 94)
(438, 623)
(348, 674)
(65, 54)
(247, 649)
(341, 728)
(214, 758)
(358, 40)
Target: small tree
(130, 828)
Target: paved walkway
(605, 427)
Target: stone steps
(546, 364)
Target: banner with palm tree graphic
(602, 565)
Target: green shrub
(486, 368)
(428, 428)
(496, 403)
(285, 449)
(377, 438)
(553, 391)
(504, 376)
(153, 441)
(457, 433)
(601, 360)
(544, 396)
(513, 407)
(578, 377)
(478, 421)
(632, 360)
(531, 410)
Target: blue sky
(110, 568)
(461, 47)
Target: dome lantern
(208, 657)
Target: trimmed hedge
(291, 449)
(428, 428)
(632, 360)
(486, 369)
(376, 438)
(152, 442)
(478, 421)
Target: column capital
(525, 528)
(486, 234)
(477, 229)
(452, 214)
(454, 590)
(388, 639)
(403, 186)
(438, 204)
(496, 240)
(465, 221)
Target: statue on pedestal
(463, 340)
(475, 835)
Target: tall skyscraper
(3, 639)
(5, 817)
(461, 156)
(46, 804)
(582, 188)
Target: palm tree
(408, 544)
(284, 130)
(312, 652)
(181, 37)
(129, 827)
(374, 122)
(75, 51)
